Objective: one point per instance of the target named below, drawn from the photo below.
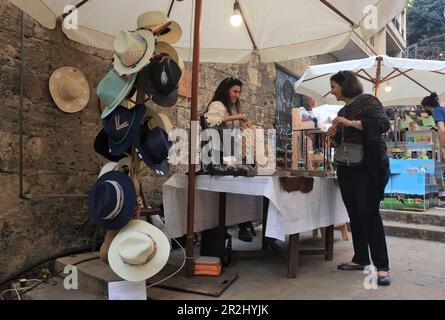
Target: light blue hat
(112, 89)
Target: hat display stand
(142, 208)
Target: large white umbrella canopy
(401, 81)
(277, 30)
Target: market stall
(413, 145)
(99, 22)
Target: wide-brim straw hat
(133, 51)
(139, 251)
(165, 48)
(158, 119)
(161, 26)
(69, 89)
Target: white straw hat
(139, 251)
(132, 51)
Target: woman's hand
(342, 121)
(331, 131)
(241, 117)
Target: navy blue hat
(160, 81)
(153, 147)
(101, 147)
(112, 200)
(122, 127)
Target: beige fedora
(158, 119)
(139, 251)
(157, 22)
(164, 48)
(132, 51)
(69, 89)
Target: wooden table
(293, 249)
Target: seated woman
(224, 112)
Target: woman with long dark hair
(362, 122)
(225, 105)
(224, 112)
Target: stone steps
(435, 217)
(429, 225)
(93, 275)
(415, 231)
(53, 289)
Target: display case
(412, 185)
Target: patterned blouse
(365, 105)
(215, 114)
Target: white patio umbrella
(395, 81)
(276, 30)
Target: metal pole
(192, 147)
(22, 63)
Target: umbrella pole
(378, 76)
(192, 146)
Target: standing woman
(362, 121)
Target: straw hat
(69, 89)
(133, 50)
(110, 166)
(165, 48)
(139, 251)
(157, 21)
(113, 89)
(158, 119)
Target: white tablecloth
(288, 213)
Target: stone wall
(58, 155)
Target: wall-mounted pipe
(22, 63)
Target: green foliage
(425, 19)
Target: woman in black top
(362, 121)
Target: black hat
(101, 147)
(160, 81)
(112, 200)
(153, 147)
(122, 127)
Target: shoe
(244, 235)
(384, 280)
(347, 266)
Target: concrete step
(53, 289)
(435, 217)
(415, 231)
(93, 275)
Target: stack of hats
(146, 62)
